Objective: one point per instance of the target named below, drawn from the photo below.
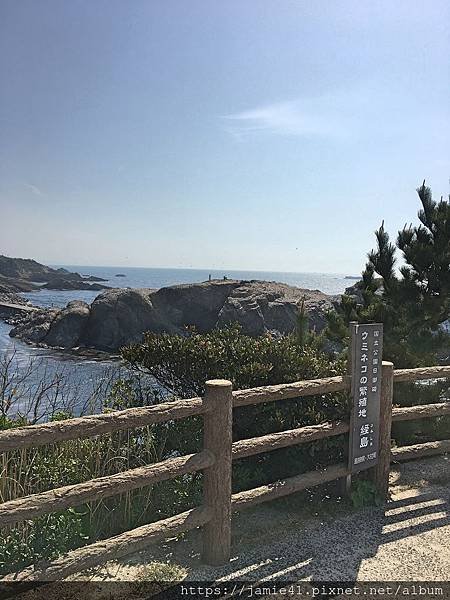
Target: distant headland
(26, 275)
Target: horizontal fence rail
(422, 411)
(116, 547)
(215, 461)
(420, 450)
(287, 486)
(93, 425)
(273, 441)
(286, 391)
(422, 373)
(30, 507)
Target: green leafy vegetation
(33, 470)
(44, 538)
(184, 364)
(364, 493)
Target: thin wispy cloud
(34, 189)
(327, 115)
(290, 118)
(344, 114)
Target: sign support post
(383, 467)
(347, 481)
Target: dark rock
(68, 327)
(59, 283)
(120, 275)
(10, 285)
(35, 327)
(355, 292)
(198, 304)
(120, 316)
(11, 298)
(13, 308)
(24, 268)
(261, 306)
(92, 278)
(30, 270)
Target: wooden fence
(215, 460)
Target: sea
(82, 375)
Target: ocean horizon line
(205, 269)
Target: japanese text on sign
(366, 363)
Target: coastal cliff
(120, 316)
(22, 274)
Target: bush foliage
(184, 363)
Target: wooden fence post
(346, 482)
(217, 479)
(382, 468)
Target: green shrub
(183, 364)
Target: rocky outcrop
(11, 298)
(12, 307)
(26, 269)
(35, 327)
(121, 316)
(68, 326)
(59, 283)
(13, 286)
(261, 306)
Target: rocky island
(120, 316)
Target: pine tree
(412, 303)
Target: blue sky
(249, 134)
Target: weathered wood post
(382, 468)
(346, 482)
(217, 479)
